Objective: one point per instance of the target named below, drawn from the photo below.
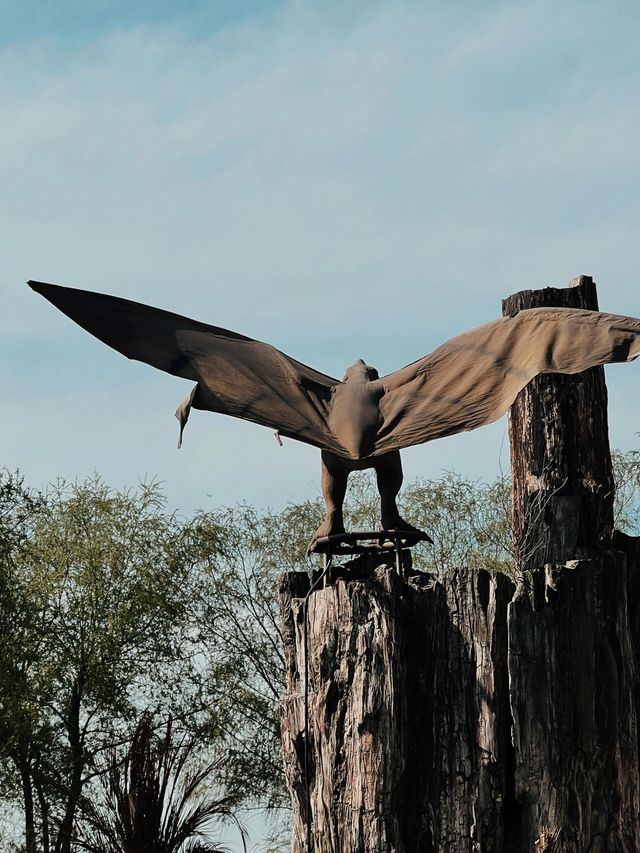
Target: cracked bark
(468, 714)
(571, 647)
(408, 744)
(560, 457)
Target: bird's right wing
(473, 379)
(236, 375)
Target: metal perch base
(376, 544)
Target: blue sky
(339, 179)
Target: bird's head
(360, 370)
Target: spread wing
(474, 378)
(236, 375)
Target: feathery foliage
(152, 800)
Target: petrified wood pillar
(572, 675)
(572, 671)
(560, 456)
(408, 734)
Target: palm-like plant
(152, 801)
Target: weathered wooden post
(560, 456)
(463, 713)
(408, 724)
(571, 659)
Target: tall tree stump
(560, 456)
(408, 741)
(466, 713)
(571, 656)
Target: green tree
(469, 521)
(626, 470)
(95, 600)
(19, 507)
(241, 552)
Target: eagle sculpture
(363, 420)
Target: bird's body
(354, 410)
(362, 421)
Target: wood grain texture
(409, 741)
(572, 673)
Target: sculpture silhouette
(362, 421)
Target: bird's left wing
(236, 375)
(473, 379)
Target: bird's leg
(335, 472)
(388, 469)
